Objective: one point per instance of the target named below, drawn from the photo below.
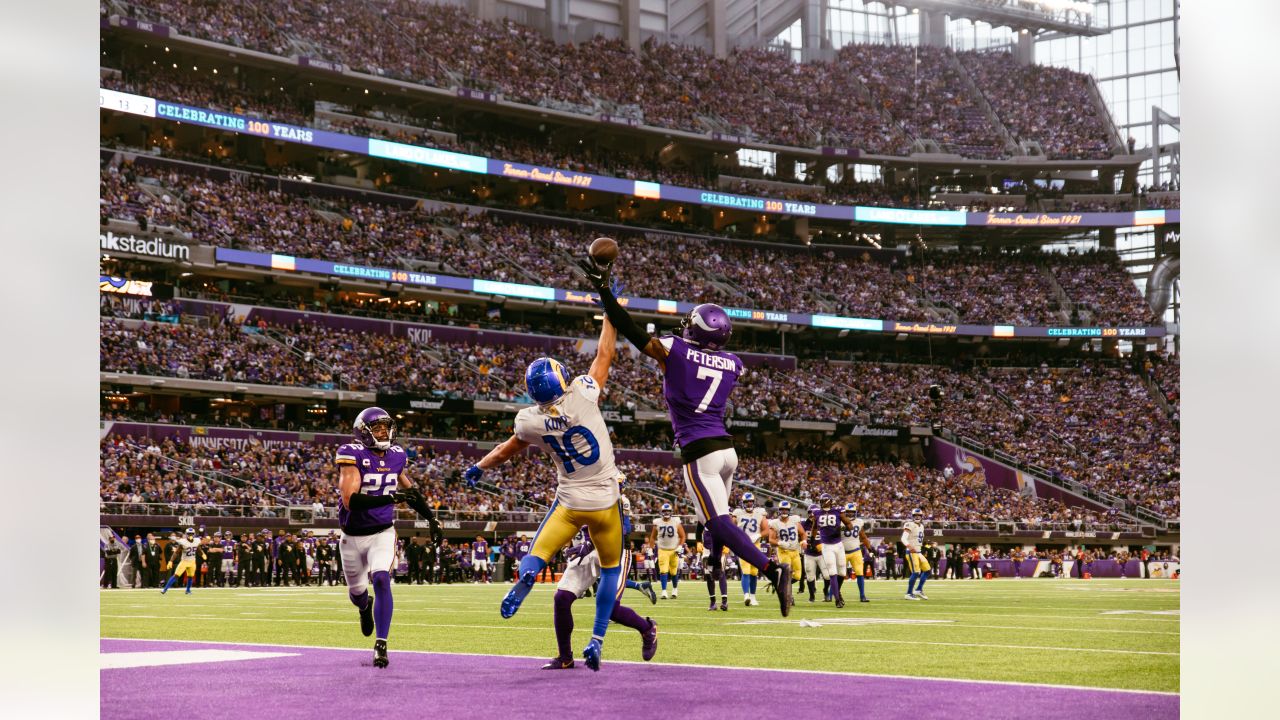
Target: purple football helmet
(707, 326)
(363, 427)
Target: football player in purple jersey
(698, 377)
(372, 481)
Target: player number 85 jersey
(573, 433)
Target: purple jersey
(811, 546)
(379, 475)
(522, 548)
(228, 549)
(480, 551)
(696, 386)
(829, 525)
(309, 546)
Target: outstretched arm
(502, 453)
(606, 351)
(619, 316)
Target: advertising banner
(410, 401)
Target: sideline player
(787, 533)
(371, 472)
(568, 425)
(480, 559)
(190, 547)
(828, 521)
(668, 534)
(913, 538)
(698, 377)
(754, 522)
(855, 539)
(581, 571)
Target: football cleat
(863, 600)
(839, 603)
(649, 638)
(511, 603)
(921, 596)
(380, 654)
(909, 596)
(713, 605)
(784, 590)
(675, 593)
(366, 619)
(664, 594)
(752, 602)
(724, 604)
(188, 592)
(646, 589)
(591, 656)
(559, 663)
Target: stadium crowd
(980, 289)
(762, 94)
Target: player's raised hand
(597, 275)
(473, 475)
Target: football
(603, 250)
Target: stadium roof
(1068, 17)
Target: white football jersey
(750, 522)
(788, 531)
(668, 535)
(852, 536)
(913, 535)
(573, 433)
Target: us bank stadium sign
(150, 247)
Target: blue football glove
(473, 475)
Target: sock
(530, 566)
(725, 531)
(813, 587)
(675, 581)
(189, 581)
(606, 598)
(911, 583)
(711, 584)
(361, 601)
(826, 587)
(169, 583)
(633, 585)
(724, 586)
(754, 581)
(862, 587)
(624, 615)
(746, 584)
(564, 622)
(923, 576)
(664, 577)
(836, 590)
(382, 604)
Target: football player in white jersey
(854, 538)
(567, 423)
(668, 534)
(913, 538)
(754, 522)
(786, 533)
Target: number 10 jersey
(573, 433)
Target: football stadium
(700, 357)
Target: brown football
(604, 250)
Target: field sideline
(1104, 634)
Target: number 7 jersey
(573, 433)
(696, 386)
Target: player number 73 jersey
(750, 522)
(573, 433)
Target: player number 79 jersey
(668, 535)
(573, 433)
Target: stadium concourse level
(282, 105)
(162, 475)
(973, 288)
(1097, 425)
(876, 98)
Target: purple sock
(361, 601)
(724, 583)
(564, 622)
(382, 604)
(725, 531)
(624, 615)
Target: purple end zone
(337, 684)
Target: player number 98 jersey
(573, 433)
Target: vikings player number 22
(378, 483)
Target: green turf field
(1095, 633)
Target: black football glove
(434, 526)
(414, 498)
(597, 275)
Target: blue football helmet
(851, 508)
(917, 514)
(666, 511)
(748, 501)
(784, 506)
(546, 380)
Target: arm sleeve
(360, 501)
(621, 320)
